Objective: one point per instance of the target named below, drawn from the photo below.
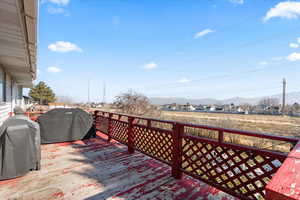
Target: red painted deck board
(95, 169)
(285, 185)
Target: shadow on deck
(94, 169)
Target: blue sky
(170, 48)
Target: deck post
(130, 135)
(177, 133)
(109, 129)
(221, 136)
(148, 123)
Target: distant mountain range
(290, 99)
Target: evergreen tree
(42, 93)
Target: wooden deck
(95, 169)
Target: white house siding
(5, 108)
(18, 42)
(9, 97)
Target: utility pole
(283, 95)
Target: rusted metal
(240, 170)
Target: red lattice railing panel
(223, 158)
(119, 131)
(154, 142)
(102, 124)
(237, 171)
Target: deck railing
(210, 154)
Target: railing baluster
(109, 131)
(221, 136)
(95, 116)
(148, 123)
(130, 135)
(178, 130)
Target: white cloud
(237, 1)
(293, 57)
(53, 69)
(294, 45)
(298, 40)
(60, 2)
(151, 65)
(203, 33)
(184, 80)
(64, 47)
(53, 10)
(56, 6)
(263, 63)
(287, 9)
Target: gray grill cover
(64, 124)
(19, 147)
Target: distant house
(172, 107)
(219, 108)
(274, 110)
(212, 108)
(206, 107)
(27, 102)
(191, 108)
(240, 109)
(188, 107)
(200, 108)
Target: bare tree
(135, 104)
(269, 102)
(247, 107)
(293, 109)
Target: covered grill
(65, 124)
(19, 147)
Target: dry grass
(279, 125)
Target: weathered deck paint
(285, 185)
(95, 169)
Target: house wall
(10, 95)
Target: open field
(279, 125)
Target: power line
(219, 30)
(243, 45)
(221, 76)
(241, 91)
(177, 84)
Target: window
(20, 92)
